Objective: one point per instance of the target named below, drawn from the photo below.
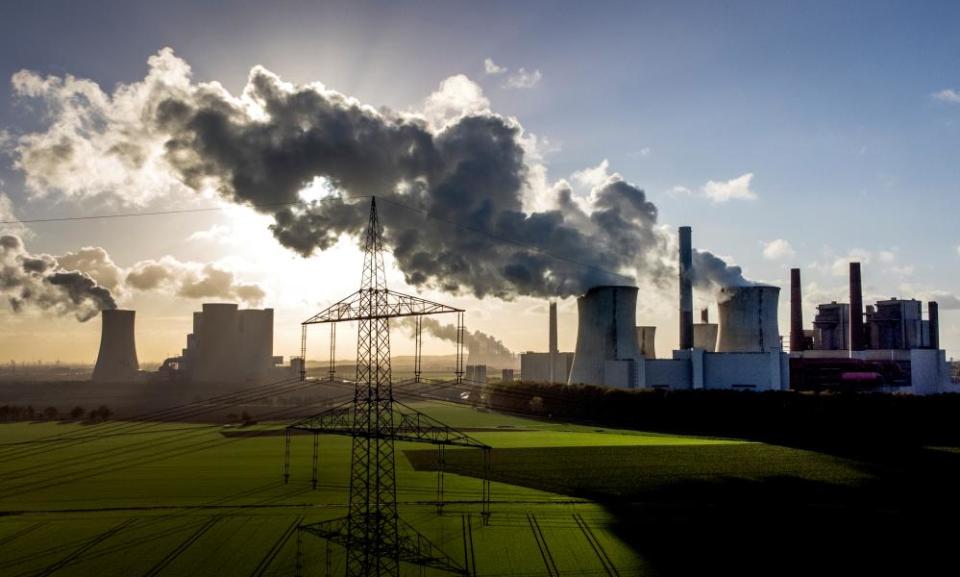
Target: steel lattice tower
(375, 538)
(373, 488)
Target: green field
(173, 499)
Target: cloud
(491, 67)
(947, 95)
(522, 79)
(454, 182)
(191, 280)
(94, 261)
(456, 97)
(778, 249)
(39, 282)
(216, 233)
(592, 177)
(97, 144)
(734, 189)
(9, 223)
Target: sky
(786, 134)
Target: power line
(393, 202)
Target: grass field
(172, 499)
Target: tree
(50, 413)
(104, 413)
(77, 413)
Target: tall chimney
(117, 359)
(686, 289)
(797, 342)
(933, 322)
(856, 308)
(553, 327)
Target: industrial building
(742, 351)
(117, 359)
(227, 345)
(888, 347)
(550, 367)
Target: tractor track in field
(431, 503)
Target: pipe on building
(686, 288)
(856, 308)
(933, 322)
(797, 341)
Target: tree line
(16, 413)
(789, 417)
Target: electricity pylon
(375, 538)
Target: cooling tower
(117, 360)
(606, 338)
(748, 319)
(647, 339)
(705, 336)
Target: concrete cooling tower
(117, 360)
(647, 340)
(607, 349)
(748, 319)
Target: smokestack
(933, 322)
(117, 360)
(606, 338)
(856, 308)
(797, 342)
(553, 328)
(686, 288)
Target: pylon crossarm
(412, 425)
(410, 547)
(394, 305)
(335, 419)
(417, 549)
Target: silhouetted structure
(117, 359)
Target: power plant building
(227, 345)
(550, 367)
(888, 347)
(743, 351)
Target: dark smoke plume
(456, 193)
(263, 147)
(39, 282)
(481, 347)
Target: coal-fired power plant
(884, 347)
(117, 359)
(748, 319)
(607, 351)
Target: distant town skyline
(786, 135)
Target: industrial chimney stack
(117, 360)
(933, 322)
(686, 288)
(797, 342)
(553, 328)
(856, 308)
